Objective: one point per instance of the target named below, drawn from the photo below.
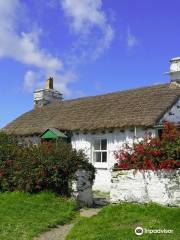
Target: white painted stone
(29, 140)
(161, 187)
(175, 70)
(45, 96)
(103, 180)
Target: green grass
(117, 222)
(23, 216)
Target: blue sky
(89, 47)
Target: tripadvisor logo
(139, 231)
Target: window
(100, 151)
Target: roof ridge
(116, 92)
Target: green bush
(32, 168)
(7, 139)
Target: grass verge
(118, 222)
(23, 216)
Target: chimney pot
(49, 83)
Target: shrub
(152, 153)
(7, 139)
(49, 166)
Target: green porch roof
(53, 133)
(158, 126)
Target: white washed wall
(115, 141)
(161, 187)
(29, 140)
(175, 110)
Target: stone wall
(161, 187)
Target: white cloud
(29, 80)
(25, 48)
(104, 43)
(51, 3)
(87, 20)
(131, 39)
(63, 79)
(84, 15)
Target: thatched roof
(137, 107)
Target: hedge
(33, 168)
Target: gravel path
(61, 232)
(58, 233)
(89, 212)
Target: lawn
(23, 216)
(117, 222)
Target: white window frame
(100, 164)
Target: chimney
(47, 95)
(175, 72)
(49, 83)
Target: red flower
(139, 148)
(167, 164)
(149, 164)
(155, 153)
(133, 158)
(124, 166)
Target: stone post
(82, 188)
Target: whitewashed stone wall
(102, 180)
(161, 187)
(115, 141)
(29, 140)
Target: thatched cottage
(102, 124)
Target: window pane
(104, 156)
(104, 144)
(97, 156)
(97, 144)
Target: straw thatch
(138, 107)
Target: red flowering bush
(43, 167)
(152, 153)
